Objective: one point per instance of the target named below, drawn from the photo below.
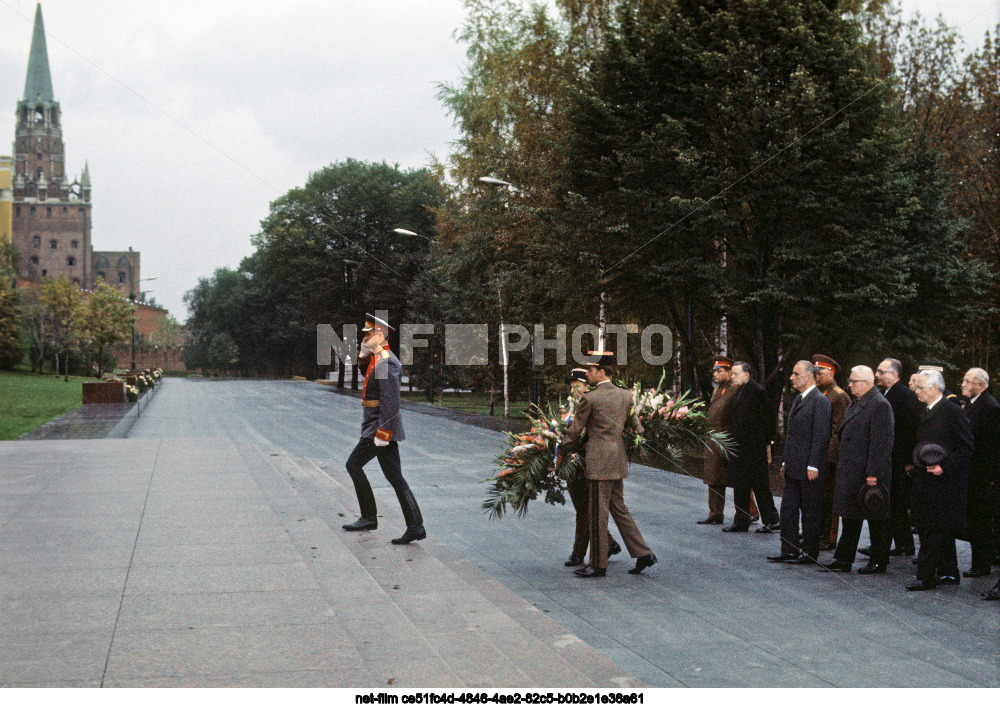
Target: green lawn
(472, 403)
(27, 400)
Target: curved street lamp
(407, 232)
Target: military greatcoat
(719, 412)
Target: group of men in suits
(891, 455)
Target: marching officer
(381, 432)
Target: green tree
(11, 331)
(223, 354)
(749, 155)
(64, 307)
(503, 248)
(326, 254)
(107, 320)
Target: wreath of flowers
(671, 429)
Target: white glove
(365, 350)
(379, 442)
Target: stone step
(453, 611)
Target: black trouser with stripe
(388, 460)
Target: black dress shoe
(922, 585)
(770, 528)
(711, 520)
(949, 580)
(872, 568)
(415, 534)
(866, 551)
(802, 560)
(643, 562)
(783, 557)
(735, 529)
(588, 572)
(913, 562)
(362, 524)
(613, 548)
(975, 573)
(902, 552)
(993, 594)
(573, 560)
(835, 567)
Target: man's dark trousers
(881, 537)
(807, 496)
(765, 504)
(937, 554)
(388, 460)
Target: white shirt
(973, 399)
(934, 402)
(803, 395)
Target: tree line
(55, 323)
(772, 178)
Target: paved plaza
(206, 550)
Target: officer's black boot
(414, 521)
(366, 500)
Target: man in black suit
(905, 417)
(806, 441)
(984, 470)
(864, 459)
(938, 499)
(751, 426)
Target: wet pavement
(712, 612)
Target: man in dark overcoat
(984, 470)
(719, 412)
(806, 442)
(751, 427)
(864, 460)
(904, 412)
(938, 498)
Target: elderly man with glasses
(864, 460)
(940, 482)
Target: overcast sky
(195, 114)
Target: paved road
(711, 613)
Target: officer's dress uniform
(380, 419)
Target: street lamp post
(430, 371)
(132, 298)
(533, 390)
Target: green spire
(85, 179)
(39, 81)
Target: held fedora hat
(928, 454)
(873, 500)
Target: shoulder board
(385, 354)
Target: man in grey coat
(381, 433)
(864, 460)
(806, 442)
